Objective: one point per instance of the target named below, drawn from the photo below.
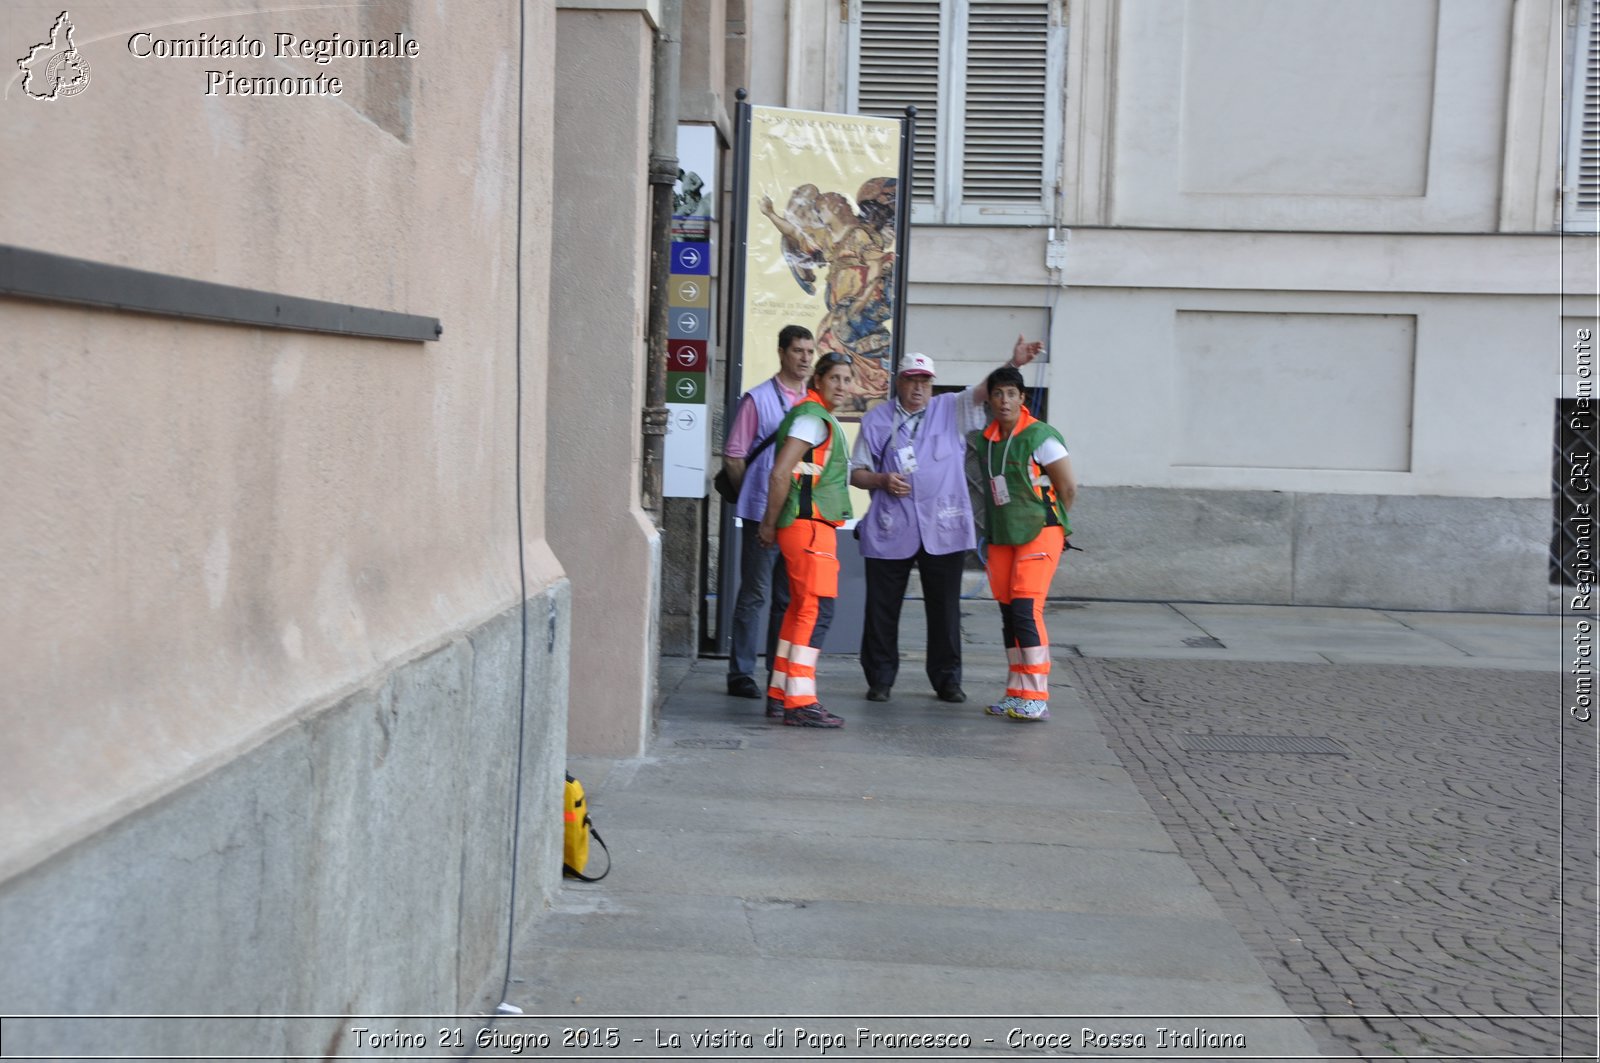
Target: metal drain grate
(710, 743)
(1260, 744)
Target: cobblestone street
(1431, 872)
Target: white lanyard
(997, 484)
(1003, 454)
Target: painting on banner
(823, 210)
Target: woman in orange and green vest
(1030, 487)
(807, 498)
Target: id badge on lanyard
(908, 458)
(997, 484)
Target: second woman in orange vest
(1030, 489)
(807, 498)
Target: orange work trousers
(1019, 578)
(810, 554)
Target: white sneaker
(1003, 706)
(1027, 709)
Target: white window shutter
(899, 67)
(986, 79)
(1582, 192)
(1006, 102)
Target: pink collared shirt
(742, 435)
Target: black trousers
(886, 591)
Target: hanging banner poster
(821, 212)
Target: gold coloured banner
(822, 213)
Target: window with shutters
(1580, 192)
(985, 77)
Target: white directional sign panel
(688, 450)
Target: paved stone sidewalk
(927, 862)
(1432, 870)
(930, 861)
(1309, 634)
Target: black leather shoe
(744, 687)
(877, 693)
(952, 692)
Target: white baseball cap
(917, 365)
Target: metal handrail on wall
(29, 274)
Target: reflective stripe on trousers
(1019, 579)
(810, 556)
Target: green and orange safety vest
(821, 488)
(1032, 505)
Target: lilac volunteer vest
(937, 515)
(770, 410)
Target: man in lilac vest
(911, 456)
(757, 416)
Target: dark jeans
(886, 592)
(761, 575)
